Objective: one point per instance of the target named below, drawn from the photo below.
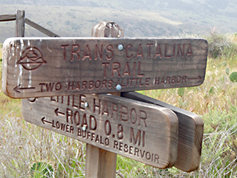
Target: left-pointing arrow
(18, 88)
(44, 121)
(57, 112)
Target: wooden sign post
(20, 23)
(134, 126)
(101, 161)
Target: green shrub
(219, 45)
(181, 91)
(227, 71)
(41, 170)
(233, 77)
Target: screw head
(118, 87)
(120, 47)
(86, 104)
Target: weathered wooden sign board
(66, 66)
(190, 133)
(137, 130)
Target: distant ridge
(138, 18)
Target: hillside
(138, 18)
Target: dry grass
(22, 144)
(0, 51)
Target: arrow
(44, 121)
(197, 78)
(58, 112)
(18, 88)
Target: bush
(219, 45)
(233, 77)
(41, 170)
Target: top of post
(107, 29)
(20, 23)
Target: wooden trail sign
(137, 130)
(66, 66)
(190, 133)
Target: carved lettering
(82, 101)
(73, 102)
(63, 127)
(147, 81)
(174, 50)
(153, 51)
(109, 49)
(92, 137)
(87, 53)
(115, 68)
(96, 106)
(170, 80)
(124, 112)
(136, 140)
(92, 123)
(84, 85)
(69, 115)
(78, 86)
(105, 64)
(91, 85)
(98, 51)
(180, 50)
(189, 51)
(143, 117)
(126, 70)
(49, 87)
(158, 52)
(105, 109)
(75, 52)
(114, 108)
(64, 50)
(70, 86)
(76, 118)
(149, 50)
(139, 52)
(126, 51)
(97, 84)
(139, 69)
(84, 121)
(133, 114)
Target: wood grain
(20, 23)
(65, 66)
(7, 17)
(102, 162)
(190, 133)
(140, 131)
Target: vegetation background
(27, 150)
(140, 18)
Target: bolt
(86, 104)
(118, 87)
(120, 47)
(84, 128)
